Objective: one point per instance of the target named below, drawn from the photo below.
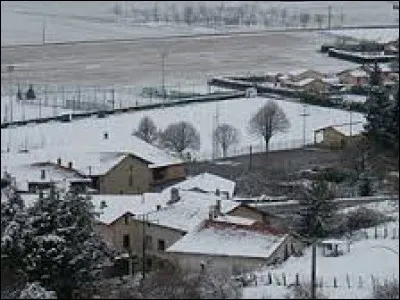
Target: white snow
(234, 220)
(354, 98)
(228, 242)
(381, 35)
(77, 134)
(367, 257)
(207, 182)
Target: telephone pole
(304, 115)
(329, 16)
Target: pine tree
(379, 118)
(316, 210)
(64, 251)
(375, 77)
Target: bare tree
(268, 121)
(147, 130)
(226, 135)
(180, 136)
(218, 284)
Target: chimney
(70, 165)
(218, 208)
(59, 161)
(105, 135)
(42, 174)
(217, 192)
(158, 207)
(211, 213)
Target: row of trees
(223, 14)
(266, 122)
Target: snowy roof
(228, 241)
(354, 98)
(189, 211)
(358, 73)
(355, 128)
(207, 182)
(299, 72)
(333, 241)
(235, 220)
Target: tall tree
(147, 130)
(268, 121)
(64, 252)
(180, 136)
(316, 210)
(226, 135)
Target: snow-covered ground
(235, 112)
(379, 35)
(367, 257)
(22, 22)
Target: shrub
(389, 289)
(364, 217)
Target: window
(121, 192)
(161, 245)
(159, 173)
(149, 242)
(130, 180)
(126, 243)
(126, 219)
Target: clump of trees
(51, 246)
(268, 121)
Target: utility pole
(163, 55)
(304, 115)
(351, 122)
(329, 16)
(144, 245)
(313, 268)
(10, 69)
(44, 31)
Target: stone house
(301, 74)
(354, 77)
(150, 223)
(337, 137)
(233, 244)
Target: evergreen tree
(375, 78)
(381, 116)
(316, 210)
(64, 251)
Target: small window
(130, 180)
(126, 219)
(149, 242)
(161, 245)
(126, 243)
(121, 192)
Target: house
(233, 244)
(301, 74)
(314, 85)
(339, 136)
(252, 212)
(154, 221)
(355, 77)
(112, 169)
(208, 183)
(334, 247)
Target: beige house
(166, 217)
(301, 74)
(139, 168)
(233, 244)
(252, 212)
(337, 137)
(313, 85)
(355, 77)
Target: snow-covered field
(22, 22)
(367, 257)
(235, 112)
